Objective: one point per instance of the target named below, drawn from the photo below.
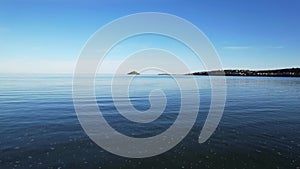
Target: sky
(47, 36)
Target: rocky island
(133, 73)
(164, 74)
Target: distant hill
(291, 72)
(133, 73)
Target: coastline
(288, 72)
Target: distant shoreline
(289, 72)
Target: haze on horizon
(47, 36)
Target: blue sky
(47, 36)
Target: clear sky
(46, 36)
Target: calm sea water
(260, 127)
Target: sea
(39, 128)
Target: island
(167, 74)
(133, 73)
(291, 72)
